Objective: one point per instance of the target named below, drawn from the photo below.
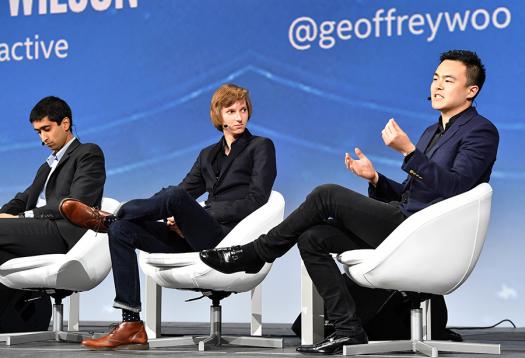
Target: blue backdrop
(324, 78)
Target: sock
(110, 219)
(130, 316)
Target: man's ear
(472, 92)
(66, 124)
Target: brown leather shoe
(80, 214)
(127, 335)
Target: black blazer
(244, 184)
(461, 159)
(80, 174)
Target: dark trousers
(19, 238)
(137, 228)
(332, 219)
(29, 237)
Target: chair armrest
(172, 260)
(30, 262)
(354, 257)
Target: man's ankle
(110, 219)
(250, 253)
(130, 316)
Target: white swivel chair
(433, 251)
(186, 271)
(59, 275)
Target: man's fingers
(359, 153)
(386, 136)
(173, 227)
(348, 160)
(390, 128)
(394, 124)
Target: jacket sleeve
(19, 203)
(475, 156)
(194, 182)
(16, 205)
(262, 178)
(386, 189)
(87, 184)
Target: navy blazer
(80, 174)
(461, 159)
(245, 182)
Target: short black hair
(475, 69)
(52, 107)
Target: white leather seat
(80, 269)
(433, 251)
(186, 271)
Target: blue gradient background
(140, 80)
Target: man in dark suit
(30, 223)
(238, 173)
(452, 156)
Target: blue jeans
(138, 227)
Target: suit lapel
(39, 182)
(211, 156)
(67, 154)
(449, 133)
(50, 183)
(426, 137)
(240, 144)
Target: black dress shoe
(230, 260)
(333, 344)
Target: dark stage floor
(512, 341)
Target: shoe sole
(124, 347)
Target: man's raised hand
(362, 166)
(396, 138)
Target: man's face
(449, 91)
(52, 134)
(235, 117)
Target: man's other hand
(362, 166)
(396, 138)
(172, 225)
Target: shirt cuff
(29, 214)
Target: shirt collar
(451, 120)
(58, 155)
(245, 135)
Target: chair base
(216, 338)
(428, 348)
(28, 337)
(57, 334)
(205, 343)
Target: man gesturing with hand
(394, 137)
(452, 156)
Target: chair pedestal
(58, 334)
(216, 338)
(418, 345)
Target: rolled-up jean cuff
(123, 306)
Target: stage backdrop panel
(325, 77)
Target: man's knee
(120, 230)
(310, 243)
(325, 190)
(175, 197)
